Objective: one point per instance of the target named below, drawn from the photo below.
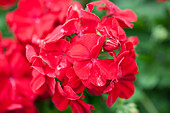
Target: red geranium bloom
(43, 75)
(38, 18)
(55, 55)
(86, 64)
(66, 96)
(73, 81)
(124, 17)
(123, 85)
(14, 77)
(79, 24)
(70, 54)
(26, 107)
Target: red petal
(52, 58)
(56, 35)
(96, 77)
(94, 45)
(74, 82)
(134, 40)
(79, 52)
(4, 66)
(126, 89)
(30, 53)
(128, 66)
(60, 102)
(82, 69)
(108, 68)
(71, 95)
(80, 106)
(24, 88)
(50, 72)
(127, 14)
(51, 84)
(38, 65)
(90, 7)
(89, 21)
(69, 27)
(17, 68)
(113, 95)
(59, 98)
(38, 81)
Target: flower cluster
(64, 48)
(15, 76)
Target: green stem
(148, 104)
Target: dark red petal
(60, 90)
(113, 95)
(61, 68)
(73, 81)
(124, 23)
(87, 84)
(112, 44)
(80, 106)
(126, 89)
(130, 77)
(59, 98)
(60, 102)
(60, 45)
(128, 66)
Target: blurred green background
(152, 93)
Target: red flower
(55, 55)
(14, 77)
(85, 22)
(43, 75)
(86, 64)
(65, 96)
(111, 28)
(124, 17)
(123, 85)
(70, 54)
(38, 18)
(134, 40)
(73, 81)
